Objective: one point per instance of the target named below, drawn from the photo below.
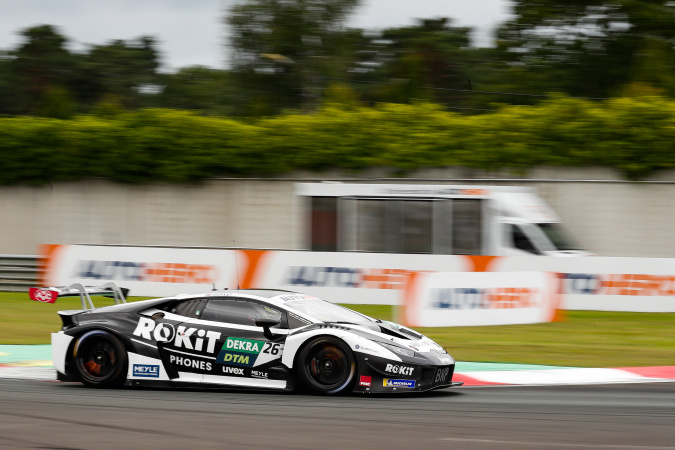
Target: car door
(186, 351)
(246, 354)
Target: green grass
(586, 339)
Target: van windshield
(559, 237)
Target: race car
(259, 339)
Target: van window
(323, 224)
(417, 231)
(521, 241)
(370, 225)
(467, 229)
(559, 237)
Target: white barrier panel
(605, 284)
(589, 283)
(146, 271)
(477, 299)
(361, 278)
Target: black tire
(100, 359)
(326, 366)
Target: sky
(192, 32)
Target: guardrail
(19, 272)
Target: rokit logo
(399, 370)
(442, 375)
(180, 337)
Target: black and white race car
(267, 339)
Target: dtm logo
(146, 371)
(400, 370)
(442, 375)
(388, 382)
(181, 337)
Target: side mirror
(266, 324)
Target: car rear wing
(50, 294)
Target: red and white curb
(537, 377)
(567, 376)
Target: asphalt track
(48, 414)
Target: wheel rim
(98, 359)
(328, 367)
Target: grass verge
(586, 339)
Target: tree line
(297, 55)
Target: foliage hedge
(633, 135)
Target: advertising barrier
(588, 283)
(451, 299)
(146, 271)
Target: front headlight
(396, 349)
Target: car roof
(259, 293)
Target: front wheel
(326, 366)
(100, 359)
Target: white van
(431, 219)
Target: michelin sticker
(388, 382)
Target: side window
(521, 241)
(296, 321)
(188, 308)
(240, 312)
(324, 224)
(467, 233)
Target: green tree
(119, 69)
(40, 67)
(281, 49)
(427, 61)
(590, 48)
(198, 88)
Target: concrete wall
(608, 216)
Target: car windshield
(560, 239)
(326, 311)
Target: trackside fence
(19, 272)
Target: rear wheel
(100, 359)
(326, 366)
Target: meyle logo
(146, 370)
(365, 381)
(388, 382)
(400, 370)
